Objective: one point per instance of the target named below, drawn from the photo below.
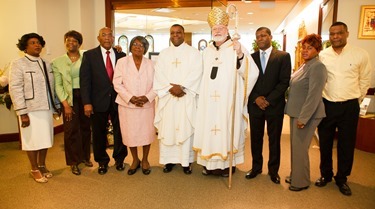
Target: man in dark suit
(267, 102)
(98, 97)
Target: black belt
(341, 102)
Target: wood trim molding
(112, 5)
(148, 4)
(12, 137)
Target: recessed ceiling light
(246, 1)
(163, 10)
(250, 13)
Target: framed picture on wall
(153, 56)
(367, 22)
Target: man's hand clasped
(176, 90)
(87, 108)
(262, 102)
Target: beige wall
(349, 13)
(308, 10)
(51, 19)
(16, 17)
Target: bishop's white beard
(219, 38)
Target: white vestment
(213, 130)
(175, 116)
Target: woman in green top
(77, 133)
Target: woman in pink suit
(133, 81)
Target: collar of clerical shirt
(216, 62)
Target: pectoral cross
(177, 129)
(176, 62)
(215, 130)
(215, 96)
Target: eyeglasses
(137, 44)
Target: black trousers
(344, 117)
(274, 128)
(99, 130)
(77, 133)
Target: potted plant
(274, 44)
(4, 92)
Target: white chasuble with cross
(175, 116)
(212, 138)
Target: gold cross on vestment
(215, 96)
(176, 62)
(215, 130)
(177, 129)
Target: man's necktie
(108, 66)
(263, 61)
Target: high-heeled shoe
(133, 171)
(45, 171)
(35, 173)
(146, 171)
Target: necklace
(73, 58)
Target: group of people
(205, 102)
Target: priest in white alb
(178, 73)
(227, 68)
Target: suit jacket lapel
(256, 58)
(271, 58)
(100, 57)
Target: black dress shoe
(321, 182)
(75, 170)
(187, 169)
(225, 172)
(297, 189)
(288, 180)
(120, 166)
(344, 189)
(168, 167)
(133, 171)
(252, 174)
(275, 178)
(103, 169)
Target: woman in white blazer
(306, 109)
(31, 87)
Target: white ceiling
(194, 19)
